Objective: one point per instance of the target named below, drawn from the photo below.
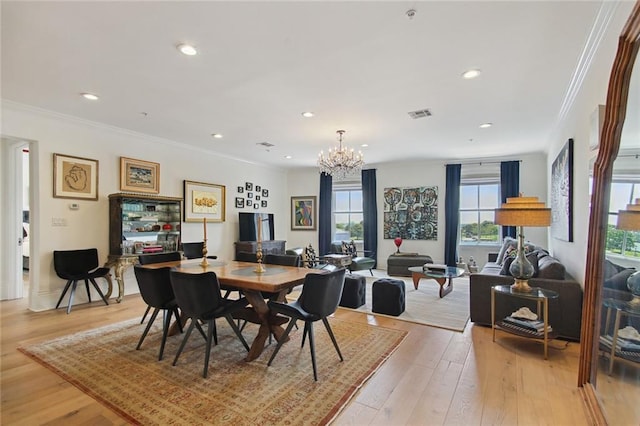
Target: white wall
(89, 226)
(421, 173)
(576, 124)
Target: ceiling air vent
(420, 114)
(265, 144)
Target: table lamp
(629, 220)
(522, 211)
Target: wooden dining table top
(242, 274)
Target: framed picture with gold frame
(75, 177)
(204, 200)
(139, 176)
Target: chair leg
(236, 330)
(73, 291)
(304, 334)
(333, 338)
(210, 333)
(312, 348)
(66, 287)
(145, 314)
(215, 331)
(86, 285)
(165, 331)
(99, 291)
(177, 314)
(147, 328)
(186, 337)
(199, 327)
(282, 340)
(371, 272)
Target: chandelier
(340, 162)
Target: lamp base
(521, 286)
(260, 269)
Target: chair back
(196, 294)
(282, 259)
(192, 250)
(321, 293)
(245, 256)
(155, 285)
(74, 263)
(146, 259)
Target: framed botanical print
(204, 200)
(75, 177)
(139, 176)
(303, 213)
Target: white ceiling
(359, 66)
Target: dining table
(244, 276)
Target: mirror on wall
(608, 373)
(617, 380)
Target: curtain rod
(480, 163)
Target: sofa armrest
(492, 257)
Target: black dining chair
(155, 288)
(319, 298)
(194, 251)
(146, 259)
(76, 265)
(199, 298)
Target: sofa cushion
(619, 281)
(549, 267)
(610, 269)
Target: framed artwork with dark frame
(265, 193)
(263, 203)
(258, 188)
(562, 194)
(256, 205)
(204, 200)
(75, 177)
(240, 189)
(139, 176)
(239, 202)
(248, 186)
(303, 213)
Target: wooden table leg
(444, 290)
(267, 325)
(416, 279)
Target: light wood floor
(435, 377)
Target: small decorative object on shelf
(398, 242)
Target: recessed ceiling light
(90, 96)
(187, 49)
(288, 157)
(486, 125)
(471, 74)
(364, 145)
(217, 135)
(307, 114)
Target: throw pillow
(349, 248)
(619, 281)
(507, 242)
(310, 259)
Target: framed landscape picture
(303, 213)
(75, 177)
(139, 176)
(204, 200)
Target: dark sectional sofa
(565, 312)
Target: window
(619, 242)
(477, 205)
(347, 213)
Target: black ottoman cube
(388, 296)
(354, 291)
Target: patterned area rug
(104, 364)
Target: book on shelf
(532, 325)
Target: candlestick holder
(259, 269)
(204, 262)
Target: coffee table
(441, 278)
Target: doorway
(18, 266)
